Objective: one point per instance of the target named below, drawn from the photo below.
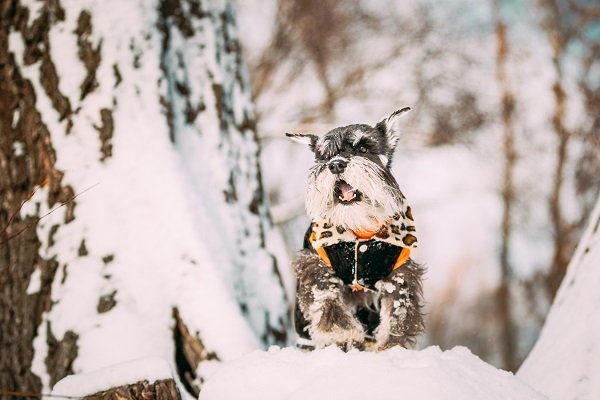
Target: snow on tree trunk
(148, 379)
(137, 117)
(565, 362)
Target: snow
(332, 374)
(565, 362)
(40, 349)
(18, 148)
(149, 369)
(35, 282)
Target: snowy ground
(329, 373)
(332, 374)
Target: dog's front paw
(338, 326)
(392, 330)
(391, 340)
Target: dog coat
(361, 258)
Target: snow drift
(565, 362)
(332, 374)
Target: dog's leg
(320, 299)
(401, 296)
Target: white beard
(379, 200)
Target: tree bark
(144, 390)
(27, 165)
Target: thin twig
(13, 215)
(34, 394)
(38, 219)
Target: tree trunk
(129, 187)
(508, 329)
(562, 230)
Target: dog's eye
(362, 149)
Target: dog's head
(351, 183)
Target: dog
(357, 286)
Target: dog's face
(351, 183)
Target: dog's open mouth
(345, 193)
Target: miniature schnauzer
(357, 285)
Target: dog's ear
(388, 127)
(304, 138)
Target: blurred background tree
(500, 155)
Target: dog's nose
(337, 166)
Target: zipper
(356, 286)
(355, 268)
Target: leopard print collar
(399, 230)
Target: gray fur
(401, 297)
(320, 298)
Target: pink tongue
(347, 191)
